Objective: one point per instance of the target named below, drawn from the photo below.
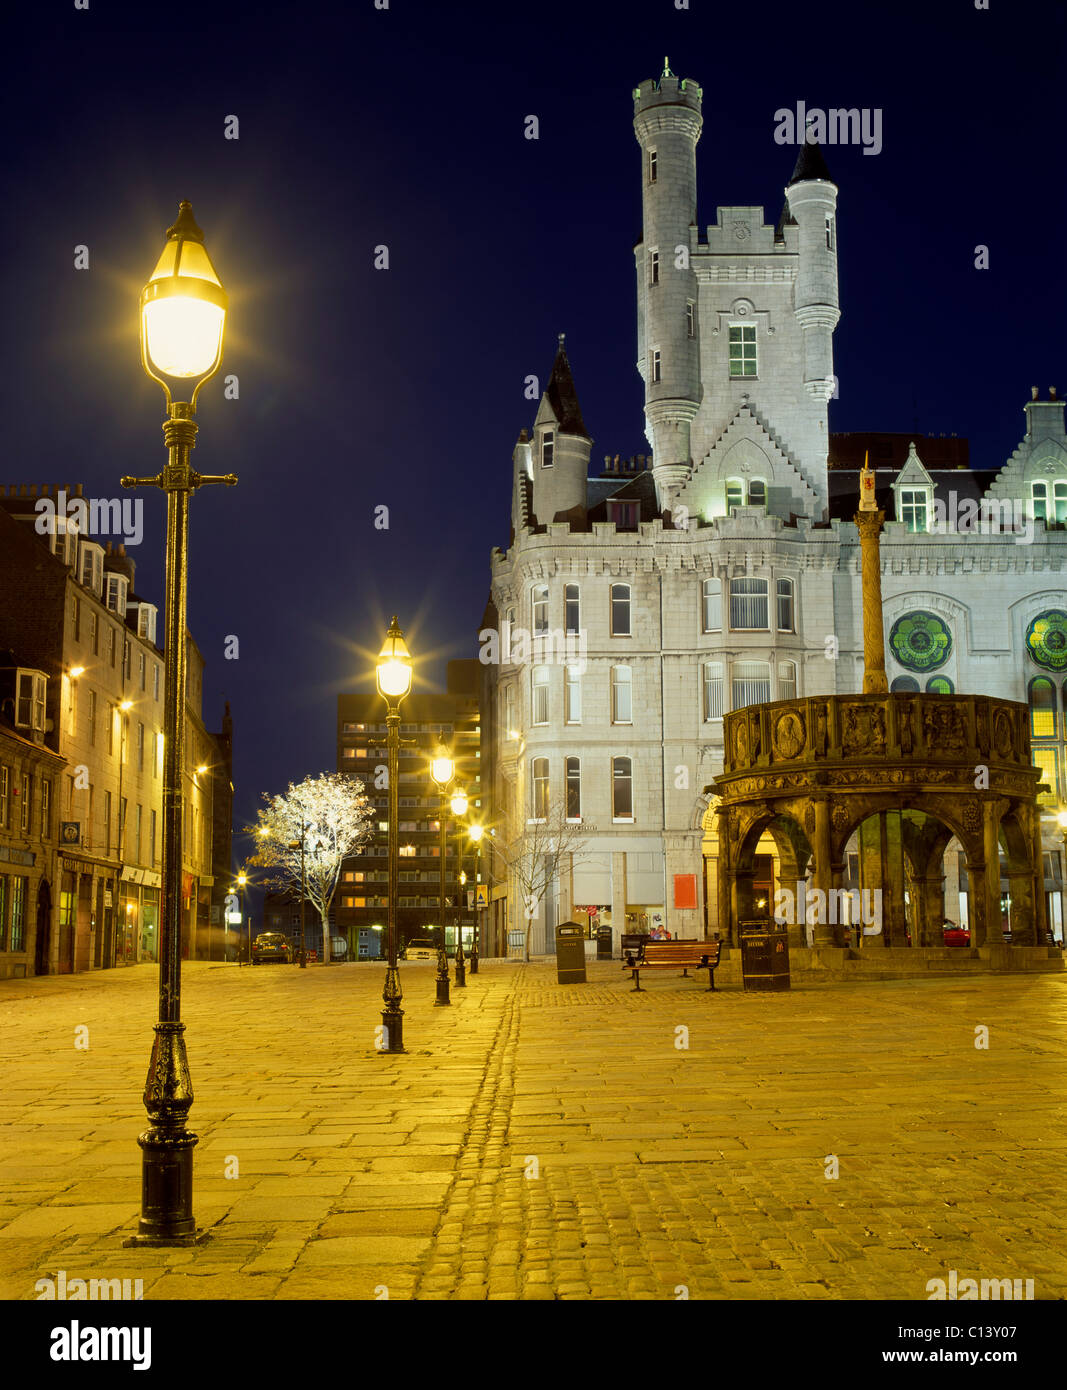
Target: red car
(956, 936)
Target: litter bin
(764, 956)
(570, 954)
(603, 942)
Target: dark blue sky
(405, 388)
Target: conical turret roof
(563, 397)
(810, 164)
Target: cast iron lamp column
(475, 832)
(442, 770)
(183, 317)
(393, 674)
(303, 894)
(459, 804)
(242, 883)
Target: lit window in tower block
(1046, 760)
(1042, 708)
(735, 494)
(539, 788)
(652, 161)
(653, 267)
(757, 492)
(548, 445)
(572, 609)
(742, 349)
(654, 365)
(690, 318)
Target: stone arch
(1024, 870)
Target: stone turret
(559, 457)
(812, 199)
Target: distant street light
(183, 319)
(393, 674)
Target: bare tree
(333, 818)
(531, 861)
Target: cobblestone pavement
(541, 1141)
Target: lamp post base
(443, 996)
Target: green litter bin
(570, 954)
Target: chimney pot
(1052, 393)
(1033, 393)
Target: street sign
(481, 895)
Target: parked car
(271, 945)
(956, 936)
(420, 950)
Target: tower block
(667, 123)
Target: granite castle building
(638, 602)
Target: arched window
(539, 694)
(622, 789)
(539, 788)
(711, 605)
(906, 683)
(1042, 697)
(1059, 499)
(757, 493)
(786, 613)
(787, 680)
(939, 685)
(621, 695)
(539, 602)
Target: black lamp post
(393, 674)
(183, 316)
(442, 770)
(303, 895)
(476, 833)
(459, 804)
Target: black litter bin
(570, 954)
(603, 942)
(764, 955)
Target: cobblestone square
(545, 1141)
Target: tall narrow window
(757, 492)
(46, 808)
(107, 822)
(141, 668)
(829, 233)
(539, 690)
(742, 349)
(652, 162)
(748, 604)
(653, 267)
(539, 788)
(27, 802)
(654, 364)
(620, 610)
(574, 789)
(735, 494)
(1042, 708)
(152, 838)
(155, 681)
(94, 634)
(140, 746)
(572, 696)
(1059, 496)
(572, 610)
(72, 708)
(1039, 496)
(548, 448)
(786, 615)
(92, 718)
(1046, 760)
(111, 639)
(540, 609)
(139, 809)
(622, 789)
(5, 797)
(690, 319)
(711, 605)
(509, 710)
(787, 680)
(751, 683)
(19, 893)
(712, 690)
(621, 695)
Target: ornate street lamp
(442, 770)
(393, 674)
(475, 832)
(459, 804)
(183, 319)
(242, 884)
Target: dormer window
(625, 515)
(91, 570)
(548, 447)
(116, 589)
(745, 492)
(30, 691)
(914, 508)
(1049, 501)
(146, 619)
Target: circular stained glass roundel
(920, 641)
(1046, 639)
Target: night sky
(404, 388)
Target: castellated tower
(667, 122)
(557, 462)
(812, 200)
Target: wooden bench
(701, 955)
(633, 947)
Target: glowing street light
(182, 325)
(393, 674)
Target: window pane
(1040, 496)
(787, 680)
(540, 609)
(572, 609)
(539, 677)
(540, 788)
(713, 689)
(622, 803)
(757, 493)
(711, 606)
(574, 788)
(1045, 759)
(785, 606)
(621, 702)
(620, 610)
(748, 603)
(735, 494)
(905, 683)
(573, 697)
(751, 683)
(1042, 708)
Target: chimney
(1052, 393)
(1033, 393)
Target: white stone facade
(737, 489)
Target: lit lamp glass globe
(393, 671)
(442, 767)
(183, 312)
(476, 832)
(1061, 820)
(459, 803)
